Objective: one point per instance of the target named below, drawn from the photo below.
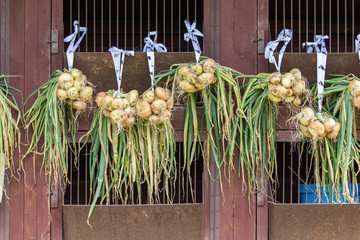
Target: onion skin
(271, 87)
(183, 71)
(274, 98)
(196, 69)
(160, 93)
(209, 65)
(192, 78)
(356, 102)
(158, 106)
(289, 99)
(297, 101)
(200, 86)
(354, 87)
(86, 93)
(75, 73)
(118, 115)
(280, 91)
(143, 109)
(61, 94)
(133, 97)
(79, 105)
(99, 98)
(65, 81)
(149, 96)
(299, 87)
(130, 121)
(296, 73)
(106, 113)
(118, 103)
(154, 119)
(170, 103)
(107, 101)
(188, 87)
(73, 93)
(130, 111)
(79, 84)
(205, 78)
(305, 131)
(274, 78)
(329, 124)
(333, 134)
(307, 115)
(214, 79)
(287, 80)
(317, 129)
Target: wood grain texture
(135, 222)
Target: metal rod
(125, 21)
(307, 20)
(291, 24)
(306, 176)
(78, 18)
(330, 38)
(353, 25)
(140, 23)
(337, 27)
(133, 24)
(179, 32)
(94, 26)
(102, 26)
(86, 25)
(299, 26)
(345, 17)
(164, 28)
(117, 24)
(276, 18)
(172, 25)
(110, 24)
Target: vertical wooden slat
(17, 46)
(207, 28)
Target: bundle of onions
(316, 127)
(288, 88)
(340, 96)
(217, 87)
(156, 138)
(74, 88)
(53, 121)
(120, 109)
(9, 131)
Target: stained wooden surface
(314, 221)
(30, 59)
(99, 69)
(134, 222)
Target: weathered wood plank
(147, 222)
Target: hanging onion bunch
(53, 120)
(197, 76)
(217, 88)
(288, 88)
(316, 127)
(74, 88)
(9, 131)
(156, 141)
(120, 109)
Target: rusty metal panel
(337, 63)
(99, 68)
(314, 221)
(134, 222)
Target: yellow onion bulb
(274, 98)
(118, 115)
(280, 91)
(196, 68)
(133, 97)
(333, 134)
(160, 93)
(107, 101)
(205, 78)
(149, 96)
(61, 94)
(154, 119)
(214, 79)
(73, 93)
(200, 86)
(317, 129)
(306, 116)
(118, 103)
(65, 81)
(143, 109)
(86, 93)
(130, 111)
(170, 103)
(183, 71)
(356, 102)
(187, 87)
(192, 78)
(287, 80)
(129, 121)
(354, 87)
(329, 124)
(79, 105)
(99, 98)
(274, 78)
(79, 84)
(75, 73)
(158, 106)
(305, 131)
(296, 73)
(289, 99)
(209, 65)
(297, 101)
(106, 113)
(299, 87)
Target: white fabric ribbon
(191, 34)
(321, 56)
(357, 45)
(150, 47)
(73, 46)
(284, 36)
(118, 56)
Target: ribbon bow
(118, 56)
(191, 34)
(284, 36)
(321, 57)
(357, 45)
(73, 46)
(150, 47)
